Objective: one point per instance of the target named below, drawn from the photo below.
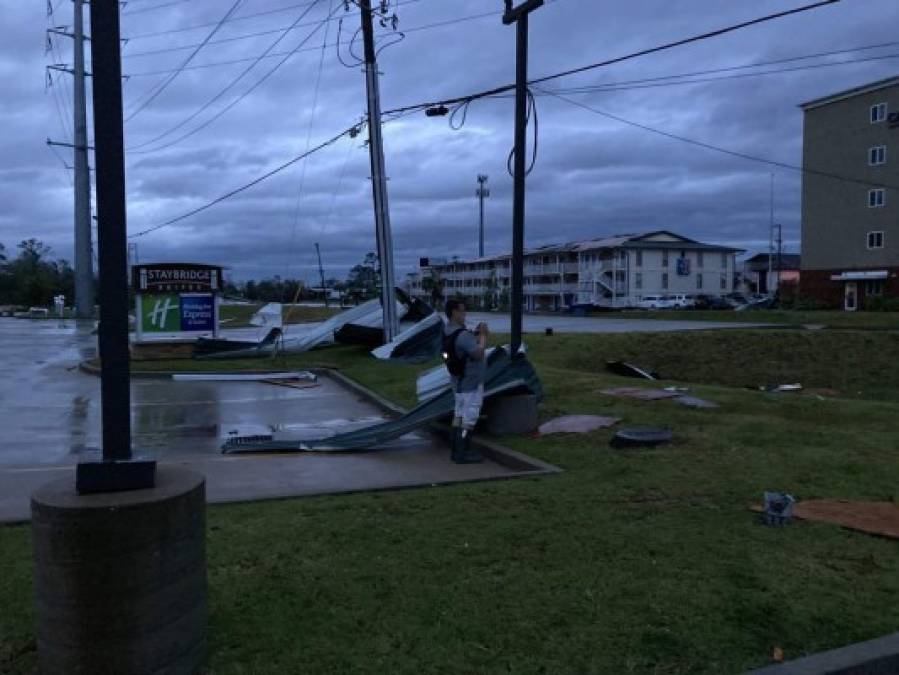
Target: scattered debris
(630, 370)
(778, 508)
(419, 343)
(694, 402)
(879, 518)
(245, 377)
(781, 388)
(778, 655)
(637, 437)
(639, 393)
(576, 424)
(822, 391)
(678, 390)
(292, 383)
(354, 334)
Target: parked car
(736, 299)
(656, 302)
(680, 301)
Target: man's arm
(481, 349)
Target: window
(665, 261)
(875, 198)
(699, 280)
(665, 277)
(724, 260)
(878, 113)
(638, 279)
(874, 287)
(877, 155)
(723, 282)
(699, 258)
(639, 259)
(875, 239)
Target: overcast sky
(594, 176)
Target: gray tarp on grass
(503, 375)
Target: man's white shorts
(468, 406)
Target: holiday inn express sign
(176, 297)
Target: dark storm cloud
(594, 176)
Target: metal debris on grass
(639, 393)
(637, 437)
(576, 424)
(630, 370)
(695, 402)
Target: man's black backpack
(454, 363)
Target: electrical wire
(619, 59)
(171, 78)
(414, 29)
(65, 166)
(237, 38)
(137, 148)
(149, 9)
(351, 131)
(716, 148)
(339, 57)
(318, 79)
(532, 110)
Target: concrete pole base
(512, 414)
(120, 578)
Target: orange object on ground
(881, 518)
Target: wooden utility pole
(519, 16)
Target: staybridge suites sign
(176, 297)
(176, 277)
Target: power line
(148, 9)
(414, 29)
(351, 131)
(230, 39)
(716, 148)
(318, 79)
(665, 81)
(161, 87)
(643, 52)
(136, 149)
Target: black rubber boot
(456, 443)
(466, 454)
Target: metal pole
(482, 193)
(111, 237)
(378, 176)
(780, 242)
(84, 264)
(770, 242)
(321, 272)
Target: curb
(879, 656)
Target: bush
(881, 303)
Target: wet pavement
(50, 414)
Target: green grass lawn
(830, 318)
(238, 316)
(628, 562)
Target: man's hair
(451, 306)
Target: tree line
(32, 278)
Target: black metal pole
(521, 123)
(112, 253)
(321, 272)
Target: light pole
(482, 193)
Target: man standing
(465, 355)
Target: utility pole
(770, 241)
(780, 244)
(482, 193)
(321, 272)
(84, 264)
(519, 16)
(378, 175)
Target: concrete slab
(50, 413)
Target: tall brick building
(850, 230)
